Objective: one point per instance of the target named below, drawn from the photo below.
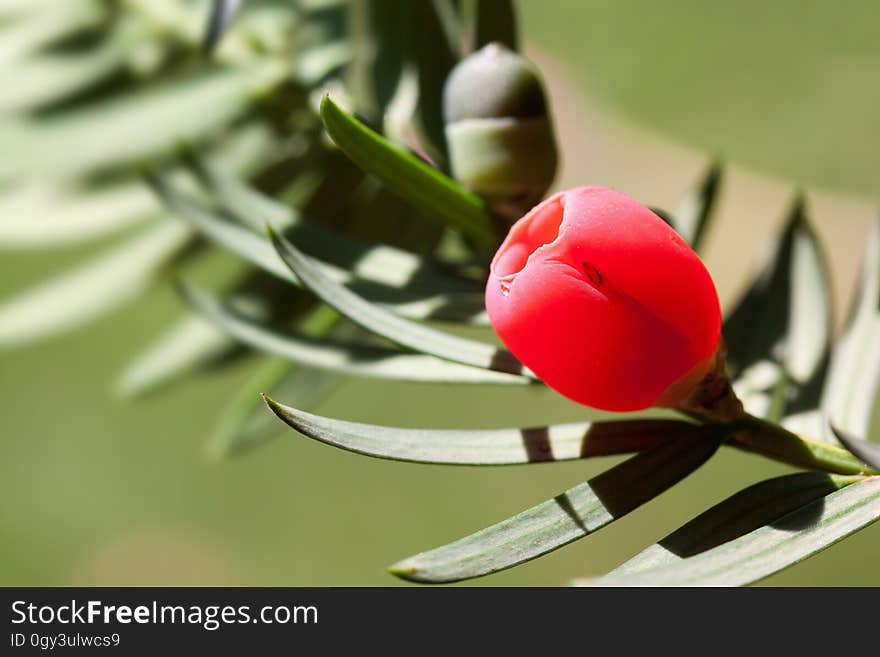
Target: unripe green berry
(500, 137)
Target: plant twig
(754, 434)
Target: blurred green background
(94, 490)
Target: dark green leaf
(868, 452)
(406, 175)
(491, 446)
(380, 35)
(692, 217)
(851, 397)
(574, 514)
(782, 326)
(437, 46)
(343, 357)
(773, 547)
(488, 21)
(222, 14)
(449, 23)
(407, 334)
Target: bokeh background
(95, 490)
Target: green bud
(500, 137)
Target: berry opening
(540, 228)
(593, 275)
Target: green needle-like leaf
(134, 126)
(42, 216)
(692, 217)
(851, 397)
(245, 424)
(739, 514)
(449, 23)
(868, 452)
(222, 14)
(48, 23)
(769, 439)
(491, 446)
(94, 288)
(239, 240)
(783, 324)
(195, 343)
(381, 35)
(486, 21)
(44, 79)
(241, 200)
(407, 176)
(342, 357)
(389, 274)
(319, 63)
(392, 327)
(574, 514)
(48, 214)
(434, 51)
(186, 345)
(391, 265)
(772, 547)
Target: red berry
(604, 302)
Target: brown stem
(713, 398)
